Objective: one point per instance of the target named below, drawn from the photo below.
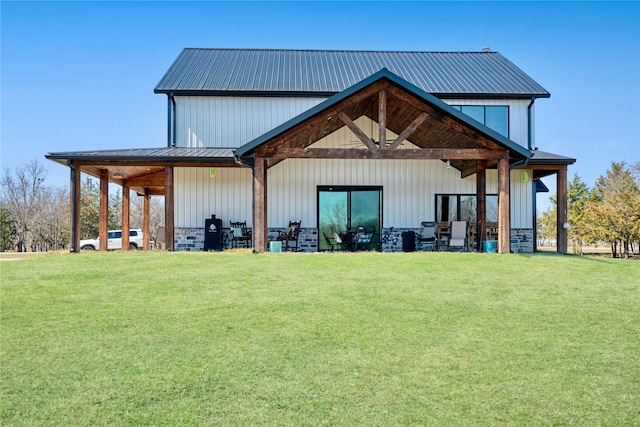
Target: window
(495, 117)
(463, 207)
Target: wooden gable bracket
(409, 130)
(357, 131)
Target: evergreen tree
(612, 213)
(577, 197)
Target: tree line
(36, 217)
(606, 214)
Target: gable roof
(272, 72)
(462, 140)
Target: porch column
(561, 211)
(103, 218)
(481, 196)
(504, 220)
(75, 207)
(168, 207)
(126, 192)
(145, 219)
(260, 205)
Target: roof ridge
(252, 49)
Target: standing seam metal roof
(229, 71)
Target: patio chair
(428, 234)
(342, 245)
(363, 238)
(240, 234)
(161, 240)
(458, 237)
(332, 245)
(289, 237)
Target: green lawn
(311, 339)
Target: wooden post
(146, 219)
(382, 119)
(75, 208)
(481, 196)
(260, 205)
(103, 218)
(561, 211)
(126, 195)
(169, 207)
(504, 220)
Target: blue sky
(80, 75)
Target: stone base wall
(522, 240)
(192, 239)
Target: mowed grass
(319, 339)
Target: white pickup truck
(115, 240)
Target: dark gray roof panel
(178, 154)
(545, 158)
(326, 72)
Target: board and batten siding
(408, 190)
(218, 121)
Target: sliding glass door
(345, 208)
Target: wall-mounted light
(448, 164)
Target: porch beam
(357, 131)
(126, 206)
(75, 207)
(382, 118)
(169, 208)
(420, 153)
(260, 205)
(153, 180)
(409, 130)
(103, 216)
(561, 211)
(481, 195)
(504, 220)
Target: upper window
(495, 117)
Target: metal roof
(150, 155)
(545, 158)
(326, 72)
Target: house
(338, 138)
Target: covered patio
(437, 130)
(148, 172)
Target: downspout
(173, 101)
(529, 127)
(171, 120)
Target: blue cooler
(490, 246)
(275, 246)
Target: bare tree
(156, 213)
(23, 193)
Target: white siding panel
(210, 121)
(521, 199)
(198, 196)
